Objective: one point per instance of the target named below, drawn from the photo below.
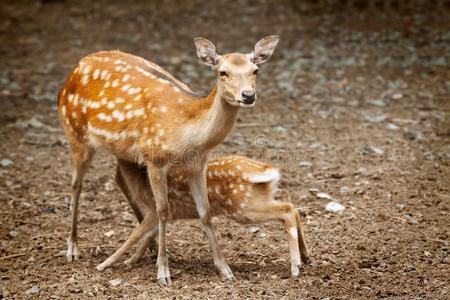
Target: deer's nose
(248, 96)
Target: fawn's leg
(146, 228)
(125, 176)
(134, 183)
(282, 211)
(82, 156)
(301, 239)
(146, 242)
(197, 184)
(158, 182)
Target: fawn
(141, 113)
(238, 187)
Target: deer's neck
(216, 122)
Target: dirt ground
(353, 107)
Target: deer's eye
(223, 74)
(255, 72)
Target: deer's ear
(206, 51)
(264, 49)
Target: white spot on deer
(107, 84)
(96, 74)
(85, 70)
(103, 101)
(126, 77)
(74, 115)
(161, 132)
(123, 135)
(110, 105)
(119, 62)
(128, 106)
(115, 83)
(293, 232)
(63, 110)
(104, 74)
(118, 115)
(238, 167)
(126, 87)
(84, 109)
(138, 97)
(156, 140)
(180, 100)
(129, 114)
(139, 112)
(102, 93)
(148, 142)
(84, 80)
(228, 202)
(163, 109)
(145, 130)
(119, 100)
(70, 98)
(118, 69)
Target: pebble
(109, 233)
(397, 96)
(324, 196)
(392, 126)
(377, 102)
(372, 149)
(34, 290)
(334, 207)
(376, 118)
(344, 189)
(109, 185)
(115, 282)
(305, 163)
(5, 162)
(253, 229)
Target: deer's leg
(301, 240)
(82, 156)
(197, 184)
(158, 182)
(143, 231)
(290, 225)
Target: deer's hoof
(73, 253)
(165, 280)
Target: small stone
(397, 96)
(34, 290)
(376, 118)
(377, 102)
(305, 163)
(334, 207)
(12, 233)
(6, 162)
(413, 135)
(29, 158)
(115, 282)
(400, 206)
(344, 189)
(109, 185)
(109, 233)
(392, 126)
(35, 123)
(253, 229)
(324, 196)
(372, 149)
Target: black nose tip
(248, 97)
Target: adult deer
(239, 187)
(141, 113)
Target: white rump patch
(270, 175)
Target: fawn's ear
(206, 51)
(264, 49)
